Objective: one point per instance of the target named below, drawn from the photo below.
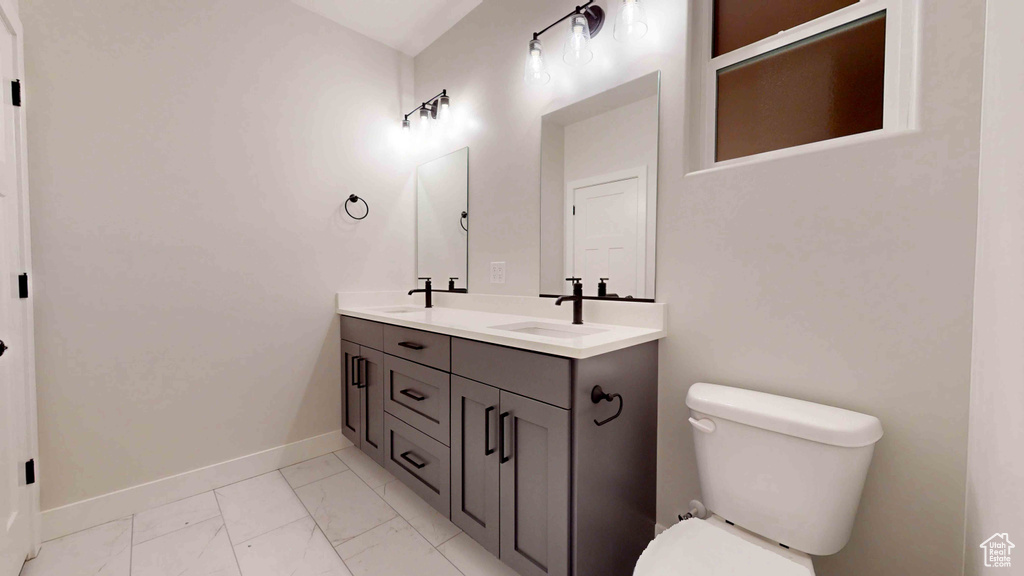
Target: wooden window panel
(739, 23)
(827, 86)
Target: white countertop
(479, 325)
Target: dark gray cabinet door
(535, 485)
(475, 487)
(371, 409)
(350, 392)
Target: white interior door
(606, 233)
(19, 503)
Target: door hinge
(16, 92)
(30, 472)
(23, 286)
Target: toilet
(780, 478)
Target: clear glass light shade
(444, 111)
(577, 50)
(536, 69)
(425, 121)
(631, 22)
(406, 126)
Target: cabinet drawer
(423, 347)
(369, 334)
(545, 378)
(418, 395)
(420, 462)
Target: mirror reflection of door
(442, 219)
(605, 231)
(599, 180)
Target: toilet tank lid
(815, 422)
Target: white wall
(843, 277)
(188, 161)
(995, 473)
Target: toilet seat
(713, 548)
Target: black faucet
(576, 299)
(602, 289)
(453, 289)
(428, 290)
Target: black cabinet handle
(363, 379)
(355, 370)
(418, 465)
(487, 431)
(411, 345)
(501, 438)
(413, 394)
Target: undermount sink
(402, 310)
(550, 330)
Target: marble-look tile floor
(336, 515)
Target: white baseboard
(78, 516)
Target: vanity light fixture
(437, 109)
(631, 22)
(586, 22)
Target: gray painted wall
(843, 277)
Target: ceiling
(408, 26)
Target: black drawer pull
(413, 394)
(418, 465)
(487, 431)
(411, 345)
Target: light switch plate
(497, 272)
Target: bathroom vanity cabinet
(506, 443)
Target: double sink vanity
(532, 427)
(536, 437)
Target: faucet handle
(603, 279)
(574, 280)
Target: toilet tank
(788, 470)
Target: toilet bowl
(781, 480)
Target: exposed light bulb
(444, 111)
(631, 23)
(425, 120)
(577, 50)
(536, 69)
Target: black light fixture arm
(428, 104)
(579, 10)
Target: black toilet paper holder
(597, 395)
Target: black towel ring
(465, 216)
(352, 199)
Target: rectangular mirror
(599, 192)
(442, 219)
